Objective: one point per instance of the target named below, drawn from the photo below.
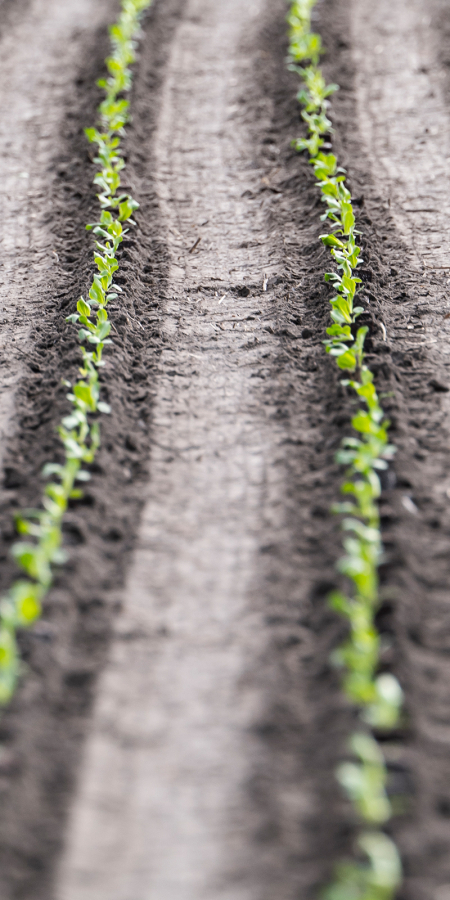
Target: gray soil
(176, 733)
(164, 807)
(392, 63)
(184, 689)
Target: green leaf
(83, 475)
(52, 469)
(27, 557)
(26, 597)
(347, 361)
(97, 293)
(348, 218)
(339, 602)
(103, 330)
(83, 308)
(363, 422)
(91, 134)
(330, 240)
(84, 393)
(343, 332)
(127, 208)
(8, 663)
(342, 310)
(76, 494)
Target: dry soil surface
(176, 733)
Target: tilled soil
(388, 59)
(176, 733)
(197, 628)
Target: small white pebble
(409, 505)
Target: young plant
(365, 454)
(79, 430)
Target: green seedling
(377, 879)
(365, 454)
(365, 780)
(79, 430)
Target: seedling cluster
(365, 454)
(79, 430)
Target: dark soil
(303, 729)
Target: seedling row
(365, 453)
(41, 549)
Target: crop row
(41, 549)
(376, 872)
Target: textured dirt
(34, 84)
(188, 648)
(291, 843)
(40, 734)
(179, 724)
(390, 62)
(195, 640)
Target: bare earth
(177, 730)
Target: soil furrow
(404, 120)
(197, 778)
(388, 61)
(38, 38)
(180, 828)
(41, 732)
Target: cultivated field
(225, 502)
